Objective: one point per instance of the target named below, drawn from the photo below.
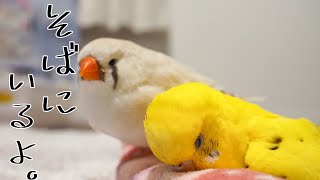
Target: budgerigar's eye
(198, 142)
(112, 62)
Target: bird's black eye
(112, 62)
(198, 142)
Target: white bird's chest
(113, 116)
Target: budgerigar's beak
(185, 166)
(89, 69)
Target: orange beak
(89, 69)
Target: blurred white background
(269, 48)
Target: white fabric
(138, 15)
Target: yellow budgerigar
(194, 122)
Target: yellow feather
(196, 122)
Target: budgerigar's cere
(119, 79)
(194, 122)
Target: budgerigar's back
(287, 148)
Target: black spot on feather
(277, 140)
(274, 148)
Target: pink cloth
(140, 164)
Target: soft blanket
(140, 164)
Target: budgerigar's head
(175, 124)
